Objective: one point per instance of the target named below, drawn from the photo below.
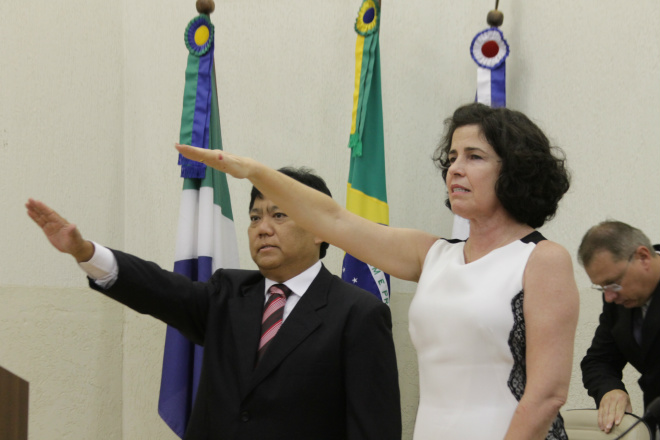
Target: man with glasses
(624, 266)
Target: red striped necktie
(273, 314)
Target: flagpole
(495, 18)
(207, 6)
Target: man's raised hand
(64, 236)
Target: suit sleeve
(372, 384)
(172, 298)
(602, 366)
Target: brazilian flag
(367, 190)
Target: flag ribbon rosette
(196, 115)
(366, 48)
(366, 193)
(489, 50)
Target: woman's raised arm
(399, 252)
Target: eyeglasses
(614, 287)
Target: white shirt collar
(300, 283)
(645, 307)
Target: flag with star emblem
(206, 238)
(367, 192)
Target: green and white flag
(206, 238)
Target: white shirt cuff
(102, 267)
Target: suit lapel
(245, 311)
(651, 325)
(623, 332)
(302, 322)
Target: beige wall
(90, 101)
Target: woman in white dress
(493, 319)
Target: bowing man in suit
(311, 358)
(625, 268)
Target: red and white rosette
(489, 48)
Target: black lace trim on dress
(518, 377)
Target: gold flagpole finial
(495, 18)
(205, 6)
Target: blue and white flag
(206, 241)
(489, 50)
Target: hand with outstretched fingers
(612, 407)
(64, 236)
(236, 166)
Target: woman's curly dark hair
(532, 179)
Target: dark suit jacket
(330, 373)
(614, 345)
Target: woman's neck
(491, 234)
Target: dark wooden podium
(13, 406)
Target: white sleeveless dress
(467, 324)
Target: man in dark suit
(329, 371)
(625, 267)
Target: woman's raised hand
(236, 166)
